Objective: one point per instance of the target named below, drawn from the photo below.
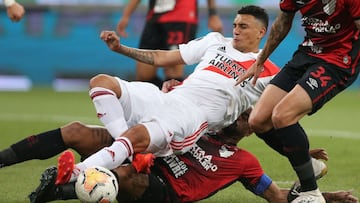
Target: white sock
(108, 157)
(109, 110)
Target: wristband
(9, 3)
(211, 11)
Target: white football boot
(295, 196)
(313, 196)
(320, 168)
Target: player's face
(243, 127)
(234, 133)
(247, 33)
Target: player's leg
(150, 38)
(75, 135)
(291, 140)
(176, 33)
(296, 145)
(41, 146)
(85, 139)
(135, 140)
(307, 97)
(105, 92)
(260, 117)
(147, 73)
(133, 186)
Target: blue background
(53, 42)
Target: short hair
(256, 11)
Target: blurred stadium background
(58, 41)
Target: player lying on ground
(141, 118)
(201, 175)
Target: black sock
(272, 139)
(296, 149)
(41, 146)
(7, 157)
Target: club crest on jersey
(301, 3)
(224, 152)
(329, 7)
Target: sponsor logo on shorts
(312, 83)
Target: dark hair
(256, 11)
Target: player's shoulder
(215, 36)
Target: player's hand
(169, 85)
(15, 12)
(254, 70)
(111, 39)
(215, 23)
(341, 197)
(121, 27)
(319, 153)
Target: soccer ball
(96, 184)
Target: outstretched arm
(214, 21)
(124, 20)
(15, 11)
(278, 32)
(158, 58)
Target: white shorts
(174, 123)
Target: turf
(336, 128)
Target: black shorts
(166, 36)
(321, 80)
(159, 190)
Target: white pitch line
(332, 133)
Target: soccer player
(142, 118)
(211, 165)
(15, 11)
(326, 63)
(168, 24)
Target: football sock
(109, 110)
(296, 149)
(42, 146)
(108, 157)
(271, 138)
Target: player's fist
(111, 39)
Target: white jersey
(207, 100)
(212, 84)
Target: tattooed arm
(152, 57)
(279, 29)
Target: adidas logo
(222, 49)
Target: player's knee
(71, 133)
(279, 119)
(105, 81)
(259, 124)
(139, 137)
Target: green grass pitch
(336, 128)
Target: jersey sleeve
(288, 6)
(354, 9)
(193, 51)
(262, 184)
